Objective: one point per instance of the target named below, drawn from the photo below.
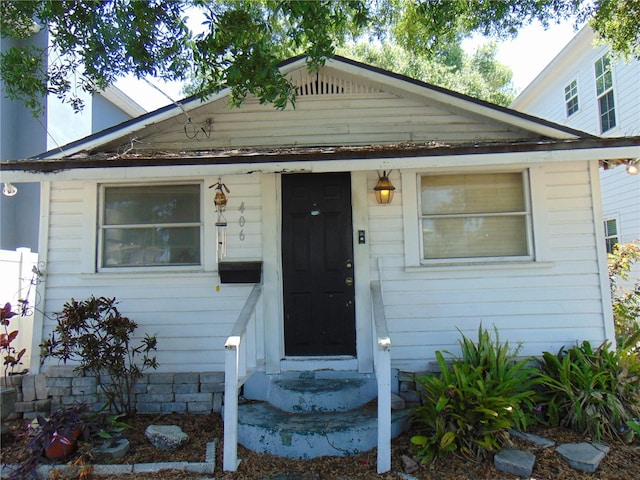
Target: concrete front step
(319, 391)
(332, 394)
(266, 429)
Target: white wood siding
(190, 312)
(622, 194)
(544, 305)
(366, 114)
(545, 98)
(337, 120)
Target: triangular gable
(345, 104)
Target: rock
(514, 461)
(408, 464)
(535, 439)
(166, 437)
(116, 448)
(583, 456)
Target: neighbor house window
(571, 97)
(475, 216)
(150, 225)
(611, 233)
(604, 90)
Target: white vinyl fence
(18, 283)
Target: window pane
(604, 77)
(572, 106)
(599, 67)
(474, 237)
(464, 194)
(610, 227)
(152, 204)
(571, 90)
(607, 112)
(151, 246)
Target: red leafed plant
(12, 357)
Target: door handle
(348, 281)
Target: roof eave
(609, 150)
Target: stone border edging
(206, 467)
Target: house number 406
(241, 222)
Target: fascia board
(335, 165)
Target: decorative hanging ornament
(220, 201)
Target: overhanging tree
(479, 75)
(244, 40)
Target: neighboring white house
(496, 219)
(586, 88)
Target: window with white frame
(610, 233)
(485, 215)
(604, 90)
(150, 225)
(571, 97)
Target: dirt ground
(622, 462)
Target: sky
(527, 55)
(532, 50)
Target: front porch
(293, 421)
(312, 414)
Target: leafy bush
(624, 300)
(471, 405)
(58, 429)
(593, 391)
(12, 357)
(94, 334)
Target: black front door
(317, 264)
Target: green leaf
(447, 440)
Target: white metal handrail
(382, 367)
(239, 362)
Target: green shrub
(471, 405)
(593, 391)
(625, 298)
(96, 336)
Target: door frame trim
(272, 274)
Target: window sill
(146, 273)
(479, 265)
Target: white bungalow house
(495, 219)
(587, 88)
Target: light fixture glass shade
(384, 190)
(9, 190)
(633, 169)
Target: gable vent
(324, 84)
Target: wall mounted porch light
(384, 188)
(633, 168)
(9, 190)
